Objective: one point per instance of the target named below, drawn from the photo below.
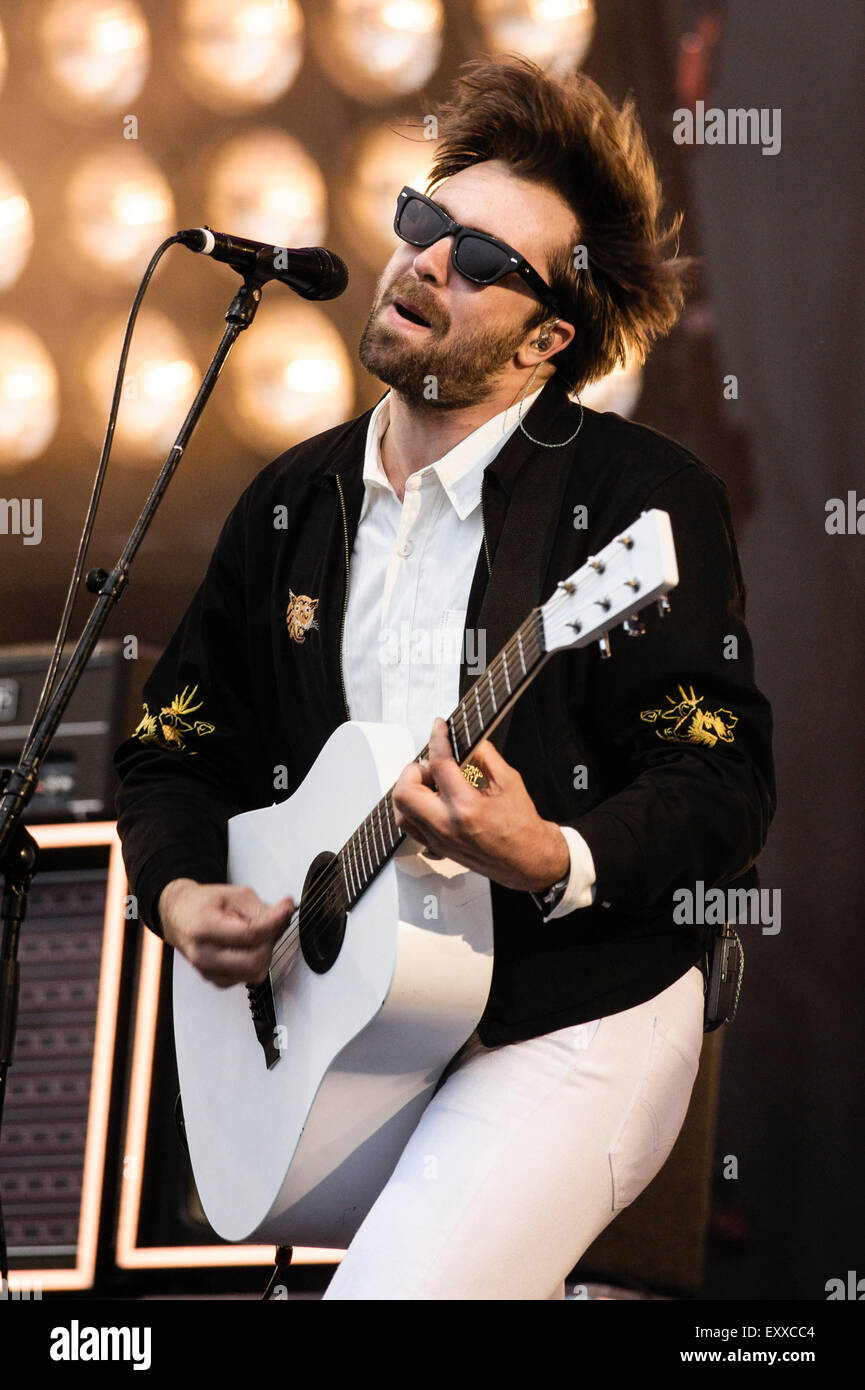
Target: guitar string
(328, 890)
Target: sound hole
(322, 916)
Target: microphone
(311, 271)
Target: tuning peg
(663, 606)
(604, 645)
(633, 627)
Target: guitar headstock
(635, 569)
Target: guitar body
(296, 1153)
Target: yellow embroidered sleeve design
(690, 724)
(166, 729)
(300, 615)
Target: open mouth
(410, 314)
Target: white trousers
(526, 1152)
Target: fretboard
(505, 679)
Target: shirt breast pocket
(447, 656)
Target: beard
(440, 370)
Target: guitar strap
(521, 558)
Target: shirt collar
(460, 471)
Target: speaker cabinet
(55, 1134)
(76, 778)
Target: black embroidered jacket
(673, 734)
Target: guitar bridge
(263, 1011)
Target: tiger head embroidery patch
(300, 615)
(689, 723)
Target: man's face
(474, 330)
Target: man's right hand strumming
(223, 929)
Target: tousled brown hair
(565, 133)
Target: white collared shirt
(411, 572)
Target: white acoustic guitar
(300, 1094)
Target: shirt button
(405, 549)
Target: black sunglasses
(476, 255)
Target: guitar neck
(506, 678)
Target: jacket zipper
(345, 601)
(484, 526)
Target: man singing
(531, 264)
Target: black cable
(51, 680)
(283, 1260)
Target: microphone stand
(18, 849)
